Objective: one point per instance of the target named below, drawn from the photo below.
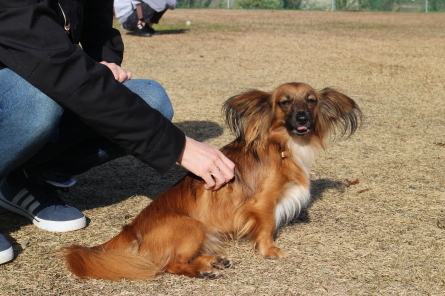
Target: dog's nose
(302, 118)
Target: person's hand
(207, 162)
(120, 74)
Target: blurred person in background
(139, 16)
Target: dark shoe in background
(143, 32)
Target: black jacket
(34, 44)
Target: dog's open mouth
(301, 130)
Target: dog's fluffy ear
(249, 115)
(338, 110)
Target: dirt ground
(382, 236)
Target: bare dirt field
(382, 236)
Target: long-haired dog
(182, 230)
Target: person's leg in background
(156, 18)
(138, 21)
(149, 16)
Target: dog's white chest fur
(295, 196)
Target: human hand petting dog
(207, 162)
(201, 159)
(119, 73)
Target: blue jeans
(51, 143)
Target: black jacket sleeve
(98, 38)
(35, 46)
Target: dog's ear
(338, 110)
(249, 115)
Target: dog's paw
(274, 253)
(210, 274)
(222, 263)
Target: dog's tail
(117, 259)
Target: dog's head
(297, 107)
(305, 110)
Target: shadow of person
(119, 179)
(168, 32)
(163, 32)
(200, 130)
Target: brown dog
(182, 230)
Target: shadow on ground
(318, 187)
(163, 32)
(109, 184)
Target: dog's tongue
(302, 128)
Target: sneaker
(66, 184)
(40, 204)
(143, 32)
(6, 252)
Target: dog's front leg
(266, 245)
(262, 227)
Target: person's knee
(164, 104)
(24, 108)
(154, 94)
(46, 117)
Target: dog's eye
(311, 101)
(285, 103)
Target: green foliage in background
(291, 4)
(377, 5)
(345, 5)
(436, 5)
(245, 4)
(259, 4)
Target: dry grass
(382, 236)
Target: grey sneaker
(41, 204)
(6, 252)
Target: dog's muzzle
(302, 123)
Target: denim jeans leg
(154, 94)
(27, 119)
(94, 150)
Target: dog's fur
(181, 231)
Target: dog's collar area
(285, 154)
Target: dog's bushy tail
(108, 264)
(116, 259)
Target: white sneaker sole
(60, 226)
(56, 226)
(6, 255)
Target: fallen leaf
(355, 182)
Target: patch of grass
(161, 27)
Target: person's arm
(99, 39)
(34, 45)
